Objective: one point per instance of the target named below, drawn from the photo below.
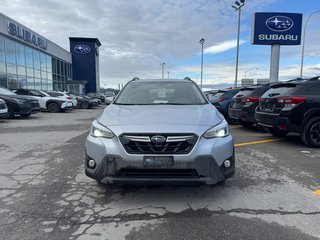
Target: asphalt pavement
(44, 193)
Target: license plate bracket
(158, 161)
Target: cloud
(138, 35)
(222, 46)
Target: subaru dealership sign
(277, 28)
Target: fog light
(227, 163)
(91, 163)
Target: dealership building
(30, 61)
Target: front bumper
(67, 105)
(205, 163)
(28, 108)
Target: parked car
(175, 137)
(292, 106)
(244, 103)
(64, 96)
(3, 109)
(97, 95)
(96, 100)
(19, 105)
(47, 102)
(223, 99)
(84, 103)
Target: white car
(64, 96)
(47, 102)
(3, 108)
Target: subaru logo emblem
(82, 49)
(279, 23)
(158, 139)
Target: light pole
(162, 66)
(245, 71)
(303, 40)
(168, 74)
(201, 41)
(238, 5)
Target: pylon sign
(277, 28)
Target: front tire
(53, 107)
(84, 105)
(10, 112)
(311, 133)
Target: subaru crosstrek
(160, 131)
(292, 106)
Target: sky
(138, 35)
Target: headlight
(98, 130)
(21, 101)
(219, 131)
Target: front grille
(173, 144)
(158, 173)
(34, 104)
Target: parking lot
(44, 193)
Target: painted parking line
(317, 192)
(257, 142)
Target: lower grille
(171, 144)
(158, 173)
(3, 106)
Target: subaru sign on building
(277, 28)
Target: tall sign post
(276, 29)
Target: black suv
(244, 103)
(19, 105)
(292, 106)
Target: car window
(36, 93)
(258, 92)
(149, 93)
(283, 89)
(244, 92)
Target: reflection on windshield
(159, 93)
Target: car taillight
(291, 101)
(249, 101)
(221, 99)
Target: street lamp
(303, 40)
(162, 66)
(237, 7)
(245, 71)
(201, 41)
(168, 74)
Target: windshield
(149, 93)
(5, 91)
(45, 94)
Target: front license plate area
(158, 161)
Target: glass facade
(22, 66)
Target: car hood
(160, 118)
(22, 97)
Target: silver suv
(160, 131)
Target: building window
(20, 55)
(10, 51)
(29, 58)
(2, 53)
(36, 59)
